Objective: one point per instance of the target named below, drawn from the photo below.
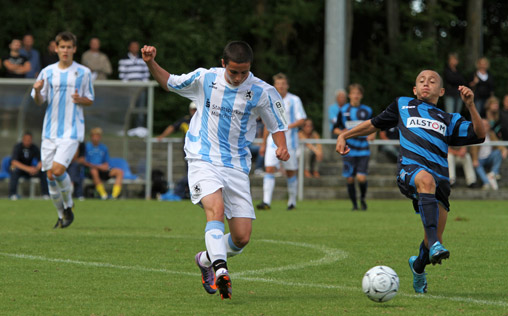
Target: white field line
(331, 255)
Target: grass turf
(133, 257)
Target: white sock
(203, 260)
(292, 190)
(56, 197)
(64, 183)
(231, 249)
(214, 232)
(268, 185)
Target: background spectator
(16, 65)
(312, 153)
(133, 68)
(460, 155)
(503, 119)
(97, 61)
(392, 151)
(482, 84)
(26, 163)
(492, 115)
(50, 56)
(333, 109)
(97, 165)
(32, 55)
(255, 149)
(452, 80)
(488, 157)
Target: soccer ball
(380, 284)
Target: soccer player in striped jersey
(356, 164)
(228, 99)
(66, 86)
(295, 116)
(425, 134)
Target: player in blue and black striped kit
(356, 164)
(425, 134)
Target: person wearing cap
(182, 124)
(182, 186)
(97, 166)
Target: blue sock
(429, 212)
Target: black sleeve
(36, 152)
(16, 152)
(388, 118)
(464, 134)
(338, 122)
(81, 149)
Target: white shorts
(57, 150)
(205, 179)
(272, 161)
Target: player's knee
(241, 241)
(426, 183)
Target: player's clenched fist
(148, 53)
(38, 85)
(282, 154)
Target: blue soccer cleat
(207, 276)
(437, 253)
(419, 279)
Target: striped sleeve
(463, 132)
(186, 85)
(272, 111)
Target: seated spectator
(97, 166)
(392, 151)
(488, 157)
(50, 57)
(492, 115)
(503, 119)
(461, 156)
(97, 61)
(16, 65)
(77, 172)
(26, 163)
(32, 55)
(312, 153)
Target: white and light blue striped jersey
(64, 119)
(225, 121)
(294, 112)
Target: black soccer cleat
(223, 283)
(58, 224)
(263, 206)
(364, 205)
(291, 207)
(68, 217)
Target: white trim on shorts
(206, 178)
(61, 151)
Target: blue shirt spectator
(32, 55)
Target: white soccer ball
(380, 284)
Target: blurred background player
(64, 85)
(97, 165)
(425, 134)
(295, 116)
(333, 109)
(229, 100)
(356, 164)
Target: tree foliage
(286, 35)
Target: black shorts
(103, 175)
(406, 183)
(355, 165)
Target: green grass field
(133, 257)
